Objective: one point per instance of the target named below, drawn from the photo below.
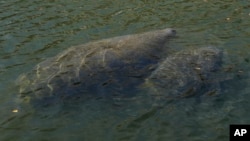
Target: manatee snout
(171, 31)
(166, 33)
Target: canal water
(32, 31)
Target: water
(31, 31)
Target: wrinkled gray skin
(186, 73)
(103, 68)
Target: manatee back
(103, 68)
(185, 73)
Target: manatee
(186, 73)
(103, 68)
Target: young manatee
(102, 68)
(186, 73)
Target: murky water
(31, 31)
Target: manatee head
(162, 34)
(156, 38)
(209, 59)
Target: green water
(31, 31)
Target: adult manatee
(104, 68)
(186, 73)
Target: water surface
(31, 31)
